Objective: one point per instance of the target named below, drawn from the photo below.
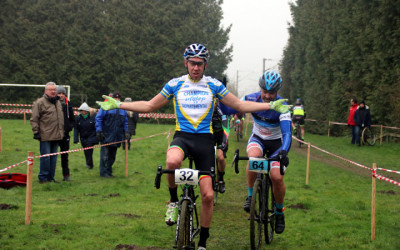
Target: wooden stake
(0, 139)
(381, 134)
(329, 127)
(24, 118)
(373, 202)
(28, 202)
(308, 162)
(126, 158)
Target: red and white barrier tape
(344, 159)
(388, 170)
(76, 150)
(380, 177)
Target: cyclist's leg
(221, 170)
(302, 127)
(175, 156)
(254, 149)
(204, 158)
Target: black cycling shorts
(299, 118)
(199, 146)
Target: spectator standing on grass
(133, 118)
(350, 120)
(47, 123)
(69, 120)
(85, 130)
(362, 118)
(111, 126)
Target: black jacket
(69, 118)
(362, 117)
(86, 130)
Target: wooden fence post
(329, 127)
(126, 158)
(381, 134)
(24, 118)
(308, 162)
(373, 203)
(28, 202)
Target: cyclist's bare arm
(145, 106)
(232, 101)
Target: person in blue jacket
(111, 126)
(271, 136)
(85, 130)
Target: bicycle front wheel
(256, 209)
(368, 136)
(269, 215)
(184, 227)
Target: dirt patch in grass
(392, 192)
(121, 246)
(112, 195)
(4, 206)
(297, 206)
(125, 215)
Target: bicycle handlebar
(161, 171)
(237, 158)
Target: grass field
(332, 212)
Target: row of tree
(98, 47)
(344, 49)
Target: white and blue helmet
(196, 50)
(270, 81)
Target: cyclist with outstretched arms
(194, 97)
(271, 135)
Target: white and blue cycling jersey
(194, 102)
(268, 124)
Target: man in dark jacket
(362, 118)
(111, 126)
(85, 129)
(48, 128)
(133, 118)
(69, 120)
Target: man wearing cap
(47, 123)
(69, 120)
(85, 129)
(111, 126)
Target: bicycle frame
(189, 195)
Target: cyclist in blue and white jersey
(271, 135)
(194, 97)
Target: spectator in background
(47, 123)
(350, 120)
(362, 118)
(298, 114)
(85, 129)
(133, 118)
(69, 120)
(111, 126)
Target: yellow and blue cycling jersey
(194, 102)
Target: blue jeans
(48, 164)
(107, 159)
(353, 134)
(357, 131)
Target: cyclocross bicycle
(187, 226)
(237, 129)
(262, 208)
(368, 136)
(297, 132)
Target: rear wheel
(298, 133)
(184, 226)
(256, 209)
(269, 215)
(368, 136)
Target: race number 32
(186, 176)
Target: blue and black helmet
(196, 50)
(270, 81)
